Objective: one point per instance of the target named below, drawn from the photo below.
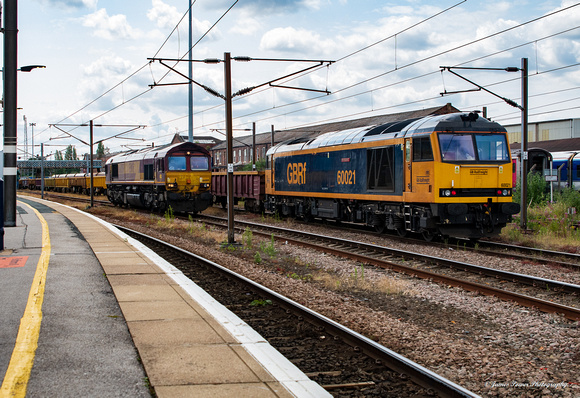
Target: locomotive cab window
(456, 147)
(177, 163)
(475, 148)
(492, 147)
(198, 163)
(422, 150)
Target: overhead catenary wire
(199, 40)
(409, 65)
(407, 80)
(142, 67)
(344, 57)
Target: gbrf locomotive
(176, 175)
(447, 175)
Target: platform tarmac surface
(88, 311)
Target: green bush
(568, 196)
(269, 249)
(260, 166)
(169, 216)
(536, 190)
(247, 237)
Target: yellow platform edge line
(20, 366)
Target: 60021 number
(346, 177)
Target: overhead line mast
(190, 87)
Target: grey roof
(568, 144)
(315, 130)
(201, 139)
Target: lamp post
(32, 125)
(10, 125)
(524, 151)
(9, 102)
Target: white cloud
(164, 15)
(97, 78)
(312, 4)
(247, 24)
(295, 41)
(110, 27)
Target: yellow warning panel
(13, 262)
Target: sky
(387, 59)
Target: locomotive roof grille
(392, 127)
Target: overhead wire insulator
(244, 91)
(212, 91)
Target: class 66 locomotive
(444, 175)
(175, 175)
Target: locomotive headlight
(505, 192)
(447, 192)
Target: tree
(58, 156)
(71, 154)
(100, 151)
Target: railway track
(341, 360)
(498, 249)
(543, 256)
(529, 254)
(549, 295)
(70, 197)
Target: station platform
(89, 311)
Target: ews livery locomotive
(447, 175)
(176, 176)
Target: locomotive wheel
(379, 223)
(380, 228)
(402, 232)
(428, 235)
